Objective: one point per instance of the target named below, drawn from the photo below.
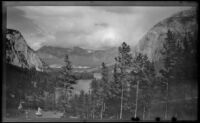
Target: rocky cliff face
(18, 52)
(152, 42)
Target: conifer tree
(66, 80)
(123, 62)
(143, 76)
(170, 53)
(105, 88)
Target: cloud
(93, 27)
(103, 24)
(118, 9)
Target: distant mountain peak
(78, 56)
(76, 47)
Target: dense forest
(132, 89)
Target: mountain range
(81, 58)
(20, 54)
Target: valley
(156, 77)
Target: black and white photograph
(99, 61)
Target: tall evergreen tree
(143, 77)
(97, 95)
(68, 77)
(170, 53)
(187, 59)
(66, 80)
(105, 87)
(123, 62)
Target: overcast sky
(93, 27)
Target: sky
(90, 27)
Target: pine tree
(114, 93)
(123, 62)
(68, 77)
(66, 80)
(115, 85)
(94, 86)
(143, 77)
(104, 87)
(187, 59)
(170, 54)
(82, 104)
(97, 90)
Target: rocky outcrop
(152, 42)
(18, 52)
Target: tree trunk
(121, 109)
(166, 106)
(149, 113)
(93, 114)
(166, 111)
(102, 110)
(104, 106)
(54, 98)
(136, 101)
(93, 111)
(144, 111)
